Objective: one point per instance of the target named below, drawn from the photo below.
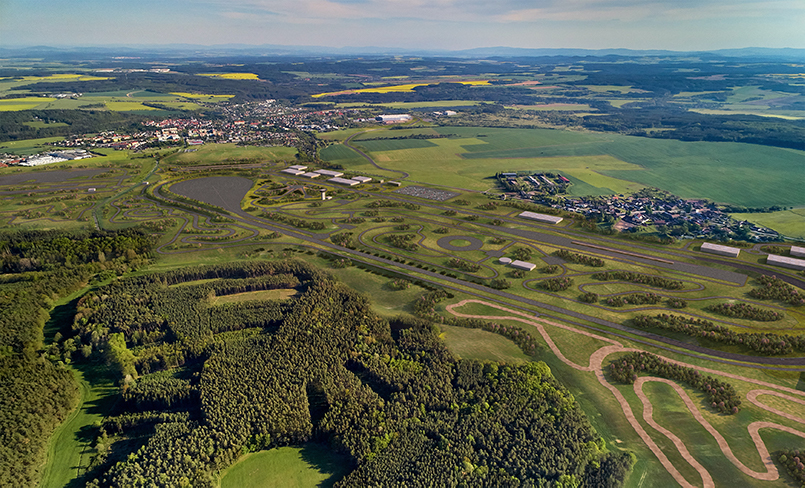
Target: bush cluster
(677, 303)
(721, 395)
(302, 224)
(633, 299)
(745, 311)
(400, 284)
(776, 289)
(556, 284)
(463, 265)
(523, 253)
(402, 241)
(342, 239)
(792, 460)
(390, 203)
(353, 220)
(573, 257)
(767, 344)
(500, 284)
(589, 297)
(488, 206)
(643, 279)
(441, 230)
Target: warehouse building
(291, 171)
(362, 179)
(298, 167)
(344, 181)
(311, 175)
(327, 172)
(786, 262)
(720, 250)
(797, 252)
(517, 264)
(547, 219)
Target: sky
(412, 24)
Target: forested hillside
(203, 384)
(36, 391)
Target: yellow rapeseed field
(232, 76)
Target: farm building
(720, 250)
(298, 167)
(548, 219)
(362, 179)
(786, 262)
(524, 265)
(327, 172)
(344, 181)
(311, 175)
(291, 171)
(797, 252)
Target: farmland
(739, 174)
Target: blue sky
(436, 24)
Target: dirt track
(595, 366)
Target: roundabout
(460, 243)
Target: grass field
(482, 345)
(255, 295)
(68, 451)
(220, 153)
(790, 223)
(287, 467)
(742, 174)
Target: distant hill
(183, 50)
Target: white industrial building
(298, 167)
(548, 219)
(362, 179)
(327, 172)
(40, 160)
(797, 252)
(517, 264)
(786, 262)
(720, 250)
(344, 181)
(312, 174)
(291, 171)
(393, 118)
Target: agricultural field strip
(595, 366)
(691, 349)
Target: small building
(524, 265)
(786, 262)
(720, 250)
(797, 252)
(298, 167)
(547, 219)
(291, 171)
(311, 175)
(327, 172)
(362, 179)
(505, 260)
(344, 181)
(90, 190)
(194, 142)
(394, 183)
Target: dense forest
(36, 391)
(202, 384)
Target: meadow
(292, 467)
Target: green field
(254, 295)
(221, 153)
(69, 450)
(790, 223)
(287, 467)
(741, 174)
